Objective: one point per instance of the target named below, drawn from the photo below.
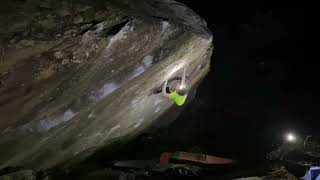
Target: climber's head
(181, 90)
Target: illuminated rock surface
(76, 77)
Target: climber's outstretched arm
(164, 92)
(183, 81)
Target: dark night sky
(261, 83)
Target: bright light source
(291, 137)
(181, 87)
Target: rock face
(20, 175)
(76, 76)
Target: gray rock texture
(76, 76)
(20, 175)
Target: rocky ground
(280, 174)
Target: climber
(179, 95)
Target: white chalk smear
(113, 129)
(107, 89)
(120, 35)
(138, 123)
(51, 122)
(147, 60)
(139, 70)
(91, 115)
(157, 109)
(165, 25)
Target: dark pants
(168, 90)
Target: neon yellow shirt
(178, 99)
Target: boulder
(77, 76)
(20, 175)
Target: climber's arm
(183, 81)
(164, 92)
